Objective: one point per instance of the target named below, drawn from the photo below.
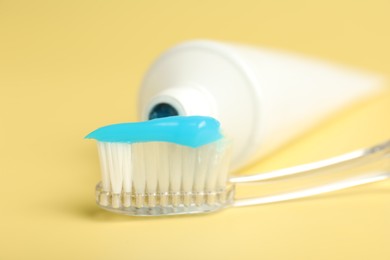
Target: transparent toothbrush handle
(336, 173)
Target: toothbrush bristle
(154, 178)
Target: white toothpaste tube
(262, 97)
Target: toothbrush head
(167, 166)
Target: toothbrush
(180, 165)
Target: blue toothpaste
(192, 131)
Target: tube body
(263, 98)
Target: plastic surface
(262, 98)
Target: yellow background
(67, 67)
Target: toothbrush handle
(336, 173)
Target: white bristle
(216, 168)
(126, 167)
(163, 172)
(188, 172)
(159, 173)
(139, 178)
(222, 178)
(115, 164)
(223, 169)
(152, 158)
(127, 175)
(204, 157)
(116, 171)
(212, 175)
(175, 172)
(106, 185)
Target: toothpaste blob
(191, 131)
